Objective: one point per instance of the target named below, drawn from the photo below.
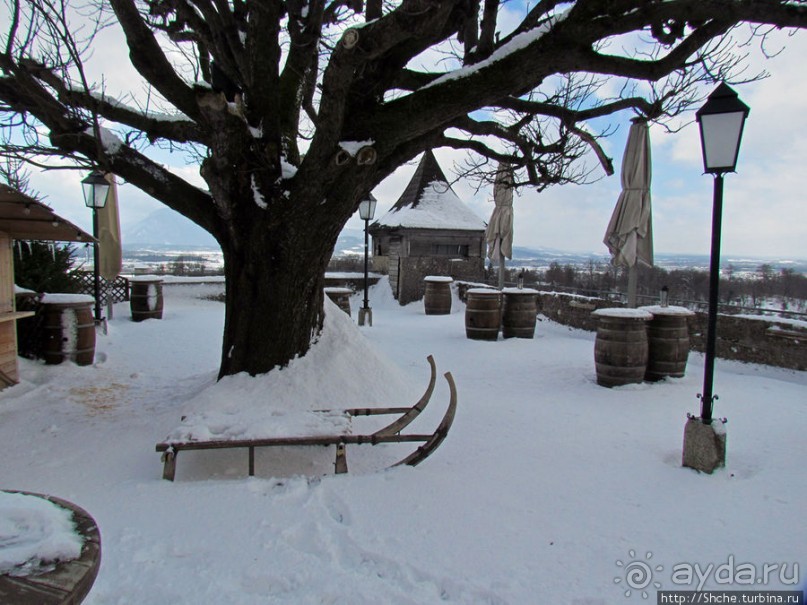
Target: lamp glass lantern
(96, 189)
(721, 121)
(367, 208)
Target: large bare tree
(296, 109)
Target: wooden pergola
(23, 218)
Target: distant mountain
(543, 257)
(523, 256)
(165, 227)
(350, 242)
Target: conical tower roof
(428, 171)
(428, 202)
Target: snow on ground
(548, 489)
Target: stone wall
(768, 340)
(354, 281)
(754, 339)
(414, 268)
(572, 310)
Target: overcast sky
(765, 210)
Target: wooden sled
(391, 433)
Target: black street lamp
(721, 122)
(96, 189)
(366, 212)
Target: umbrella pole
(501, 271)
(632, 281)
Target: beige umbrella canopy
(629, 236)
(499, 233)
(109, 239)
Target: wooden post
(340, 465)
(9, 371)
(169, 464)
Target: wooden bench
(391, 433)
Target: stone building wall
(414, 268)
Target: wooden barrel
(483, 314)
(68, 329)
(437, 300)
(341, 296)
(668, 342)
(620, 349)
(519, 312)
(146, 298)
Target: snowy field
(549, 489)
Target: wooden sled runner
(391, 433)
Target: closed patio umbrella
(629, 236)
(109, 239)
(499, 233)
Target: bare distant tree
(296, 109)
(14, 174)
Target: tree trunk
(275, 276)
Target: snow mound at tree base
(341, 370)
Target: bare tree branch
(150, 61)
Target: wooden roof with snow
(428, 202)
(22, 217)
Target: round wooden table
(70, 581)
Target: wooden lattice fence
(109, 291)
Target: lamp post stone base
(704, 445)
(366, 315)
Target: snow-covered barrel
(519, 312)
(667, 341)
(437, 300)
(341, 296)
(483, 314)
(620, 349)
(68, 329)
(146, 297)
